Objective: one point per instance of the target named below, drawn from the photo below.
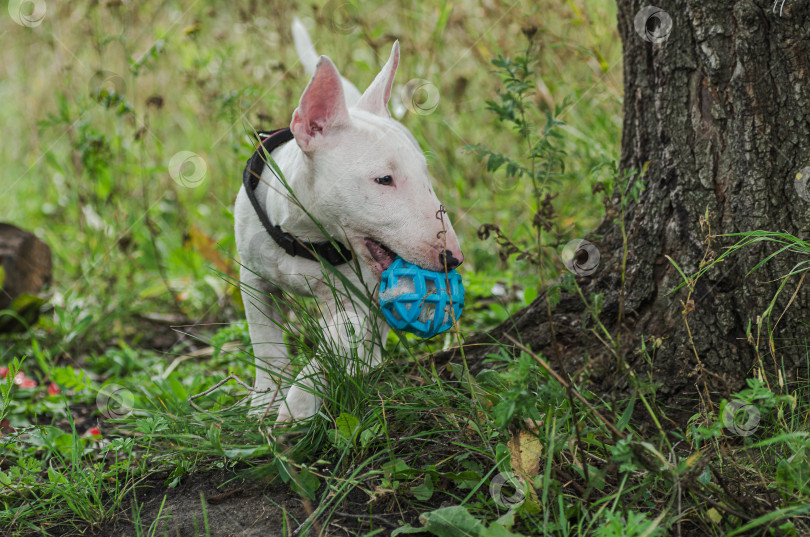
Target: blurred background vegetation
(97, 99)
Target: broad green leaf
(369, 434)
(453, 521)
(64, 444)
(425, 490)
(466, 479)
(529, 294)
(347, 425)
(240, 453)
(56, 477)
(508, 519)
(397, 468)
(456, 521)
(409, 530)
(306, 483)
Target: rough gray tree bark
(720, 112)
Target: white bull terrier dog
(363, 177)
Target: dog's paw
(286, 425)
(299, 405)
(284, 417)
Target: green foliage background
(97, 99)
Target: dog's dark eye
(385, 180)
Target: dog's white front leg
(302, 401)
(271, 360)
(350, 349)
(356, 337)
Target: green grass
(97, 100)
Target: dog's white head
(369, 175)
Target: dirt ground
(236, 507)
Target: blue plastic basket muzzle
(420, 301)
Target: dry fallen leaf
(526, 450)
(208, 248)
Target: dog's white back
(364, 178)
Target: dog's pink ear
(322, 106)
(375, 99)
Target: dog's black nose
(447, 260)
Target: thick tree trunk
(720, 112)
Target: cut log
(25, 265)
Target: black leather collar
(333, 253)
